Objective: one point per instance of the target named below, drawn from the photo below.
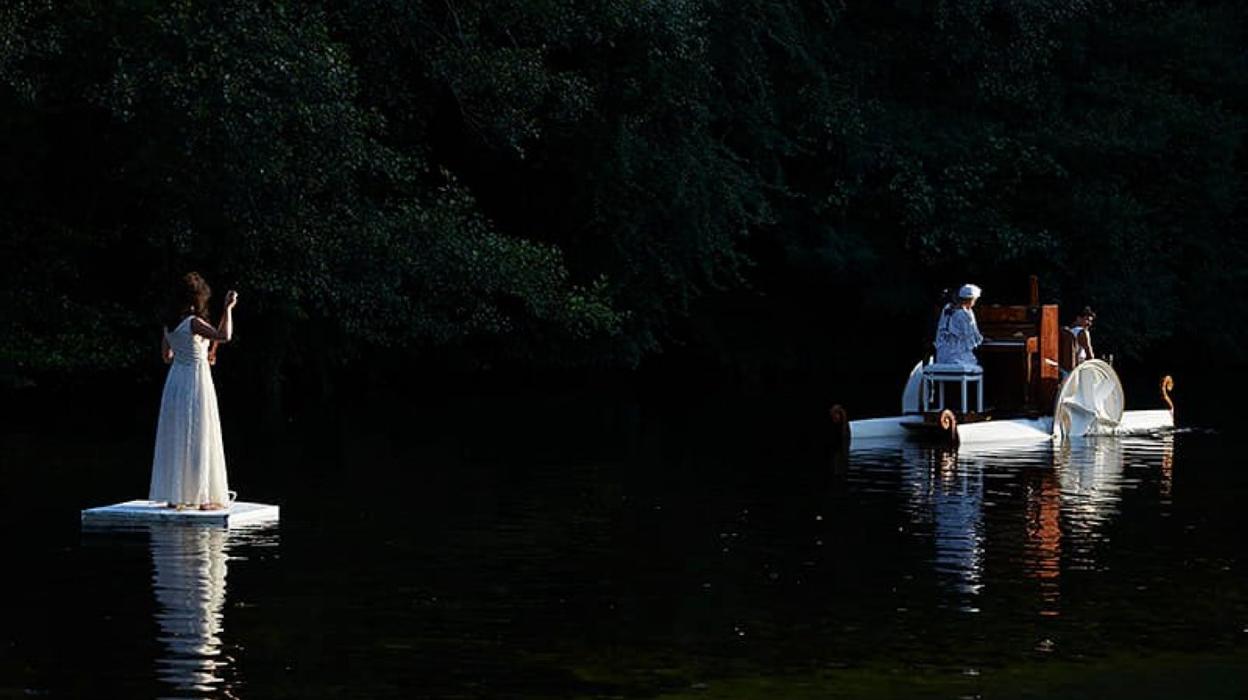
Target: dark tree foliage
(572, 182)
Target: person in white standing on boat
(188, 469)
(1082, 330)
(957, 334)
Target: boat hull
(877, 430)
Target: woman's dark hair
(190, 297)
(1087, 311)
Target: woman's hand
(231, 298)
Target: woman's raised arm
(224, 330)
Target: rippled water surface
(676, 565)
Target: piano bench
(940, 374)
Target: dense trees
(565, 181)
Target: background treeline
(774, 188)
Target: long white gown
(189, 462)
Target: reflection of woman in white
(189, 578)
(957, 334)
(188, 468)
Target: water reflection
(949, 495)
(963, 501)
(189, 565)
(1042, 553)
(1091, 476)
(637, 578)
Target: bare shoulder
(202, 327)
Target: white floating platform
(238, 513)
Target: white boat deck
(1143, 422)
(140, 511)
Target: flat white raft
(239, 513)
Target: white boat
(1090, 402)
(1038, 391)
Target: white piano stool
(940, 374)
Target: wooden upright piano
(1019, 354)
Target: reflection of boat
(1042, 552)
(1029, 388)
(1070, 493)
(948, 493)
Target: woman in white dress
(188, 469)
(957, 334)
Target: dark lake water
(676, 561)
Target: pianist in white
(957, 334)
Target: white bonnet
(969, 291)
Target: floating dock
(239, 513)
